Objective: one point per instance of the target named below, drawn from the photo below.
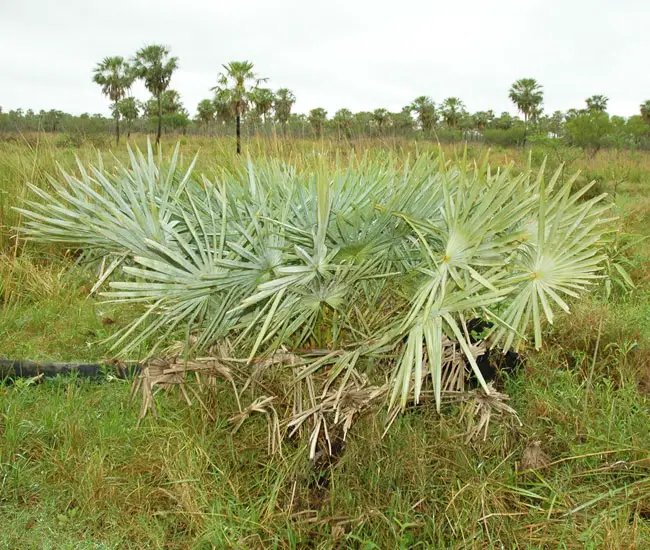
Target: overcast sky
(359, 54)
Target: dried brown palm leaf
(336, 410)
(162, 374)
(482, 407)
(262, 405)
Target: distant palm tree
(381, 117)
(235, 87)
(317, 118)
(115, 77)
(263, 99)
(342, 119)
(425, 109)
(527, 95)
(284, 100)
(645, 110)
(205, 111)
(155, 67)
(482, 119)
(452, 111)
(597, 103)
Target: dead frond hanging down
(484, 407)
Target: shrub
(589, 130)
(70, 140)
(360, 272)
(510, 137)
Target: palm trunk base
(238, 134)
(159, 120)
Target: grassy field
(76, 472)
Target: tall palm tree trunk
(525, 127)
(159, 120)
(238, 134)
(117, 125)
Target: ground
(77, 472)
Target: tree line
(240, 99)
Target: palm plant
(527, 95)
(342, 119)
(452, 111)
(425, 110)
(155, 67)
(205, 112)
(597, 103)
(284, 100)
(235, 87)
(263, 99)
(317, 119)
(381, 117)
(483, 119)
(329, 269)
(115, 77)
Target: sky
(358, 54)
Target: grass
(75, 468)
(75, 472)
(46, 313)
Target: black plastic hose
(18, 368)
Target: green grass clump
(76, 471)
(48, 314)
